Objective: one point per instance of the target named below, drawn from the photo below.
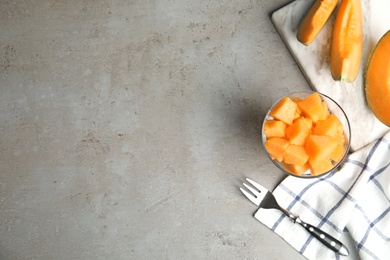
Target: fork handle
(322, 236)
(325, 238)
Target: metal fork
(265, 199)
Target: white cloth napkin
(356, 198)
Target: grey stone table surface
(126, 128)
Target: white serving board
(314, 61)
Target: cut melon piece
(313, 107)
(315, 19)
(321, 166)
(308, 122)
(338, 153)
(377, 80)
(347, 41)
(296, 169)
(284, 110)
(276, 147)
(298, 131)
(274, 128)
(297, 100)
(330, 126)
(319, 147)
(295, 154)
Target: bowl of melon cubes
(306, 134)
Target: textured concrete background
(126, 128)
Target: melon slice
(315, 19)
(347, 41)
(377, 80)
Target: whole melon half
(377, 80)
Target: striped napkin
(355, 198)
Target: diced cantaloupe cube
(274, 128)
(338, 153)
(313, 107)
(309, 122)
(319, 147)
(276, 147)
(330, 126)
(340, 150)
(296, 169)
(284, 110)
(296, 114)
(321, 166)
(325, 111)
(297, 100)
(295, 154)
(298, 131)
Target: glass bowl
(333, 108)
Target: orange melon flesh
(298, 131)
(276, 147)
(313, 107)
(377, 82)
(315, 19)
(347, 41)
(338, 153)
(330, 126)
(321, 166)
(296, 169)
(295, 155)
(284, 110)
(314, 141)
(308, 122)
(274, 128)
(319, 147)
(296, 101)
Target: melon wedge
(347, 41)
(315, 19)
(377, 80)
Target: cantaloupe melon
(319, 147)
(284, 110)
(296, 169)
(295, 154)
(276, 147)
(377, 80)
(312, 106)
(315, 19)
(320, 166)
(298, 131)
(275, 128)
(330, 126)
(347, 41)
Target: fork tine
(255, 192)
(249, 196)
(258, 186)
